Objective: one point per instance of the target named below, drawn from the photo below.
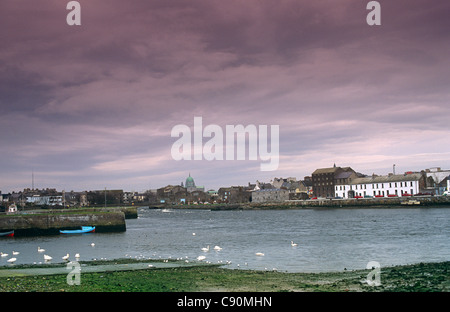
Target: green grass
(420, 277)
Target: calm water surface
(328, 239)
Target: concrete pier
(51, 223)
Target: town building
(4, 197)
(75, 199)
(273, 195)
(382, 186)
(324, 180)
(298, 189)
(104, 197)
(436, 180)
(171, 194)
(235, 194)
(12, 209)
(38, 200)
(197, 197)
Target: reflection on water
(328, 239)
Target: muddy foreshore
(423, 277)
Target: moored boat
(7, 234)
(84, 229)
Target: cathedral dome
(189, 182)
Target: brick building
(324, 180)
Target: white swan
(205, 248)
(12, 260)
(3, 254)
(200, 258)
(293, 244)
(77, 255)
(259, 254)
(15, 253)
(92, 244)
(65, 257)
(217, 248)
(40, 249)
(47, 258)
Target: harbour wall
(129, 212)
(51, 223)
(385, 202)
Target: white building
(12, 209)
(382, 186)
(45, 200)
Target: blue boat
(84, 229)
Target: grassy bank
(419, 277)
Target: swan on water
(77, 255)
(217, 248)
(15, 253)
(3, 254)
(12, 260)
(293, 244)
(47, 258)
(92, 244)
(200, 258)
(40, 249)
(205, 248)
(65, 257)
(259, 254)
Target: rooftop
(387, 179)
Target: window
(411, 184)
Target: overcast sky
(92, 106)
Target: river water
(328, 239)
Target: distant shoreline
(394, 202)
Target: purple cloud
(94, 104)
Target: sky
(91, 106)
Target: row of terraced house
(344, 182)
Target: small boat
(84, 229)
(7, 234)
